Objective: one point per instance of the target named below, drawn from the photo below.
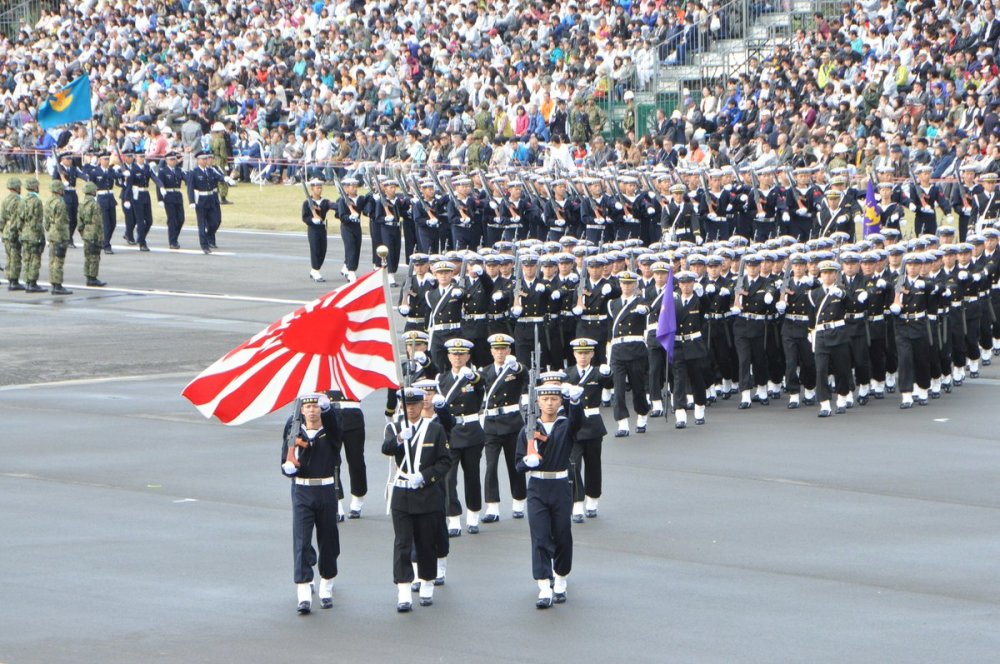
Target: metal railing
(15, 14)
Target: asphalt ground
(133, 529)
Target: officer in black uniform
(924, 197)
(589, 440)
(657, 356)
(879, 298)
(545, 460)
(796, 307)
(446, 302)
(203, 196)
(831, 340)
(314, 211)
(804, 202)
(717, 294)
(628, 353)
(386, 217)
(909, 308)
(419, 448)
(856, 316)
(680, 220)
(592, 308)
(534, 302)
(352, 433)
(123, 180)
(502, 297)
(138, 196)
(462, 387)
(170, 180)
(464, 215)
(430, 218)
(503, 379)
(105, 177)
(689, 350)
(310, 457)
(475, 304)
(564, 321)
(349, 210)
(413, 305)
(69, 173)
(753, 304)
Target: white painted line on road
(192, 294)
(163, 250)
(941, 419)
(96, 381)
(186, 500)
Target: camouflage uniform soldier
(219, 145)
(91, 229)
(10, 224)
(32, 236)
(57, 230)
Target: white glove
(881, 283)
(494, 205)
(497, 296)
(161, 204)
(539, 288)
(967, 211)
(836, 292)
(192, 206)
(431, 223)
(606, 289)
(858, 218)
(698, 289)
(913, 206)
(734, 310)
(556, 295)
(573, 278)
(560, 222)
(404, 310)
(650, 210)
(420, 357)
(743, 198)
(903, 222)
(510, 362)
(919, 284)
(699, 240)
(231, 182)
(724, 292)
(785, 216)
(642, 309)
(768, 298)
(928, 210)
(315, 221)
(572, 392)
(947, 292)
(577, 311)
(467, 373)
(977, 276)
(618, 206)
(389, 219)
(949, 219)
(289, 468)
(127, 205)
(477, 270)
(405, 435)
(710, 289)
(807, 280)
(604, 370)
(760, 215)
(516, 311)
(532, 460)
(895, 308)
(355, 218)
(781, 306)
(414, 481)
(963, 275)
(438, 401)
(863, 297)
(778, 283)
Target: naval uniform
(501, 423)
(137, 195)
(170, 192)
(831, 341)
(203, 194)
(314, 217)
(628, 354)
(69, 176)
(104, 179)
(460, 419)
(351, 423)
(590, 438)
(689, 351)
(349, 211)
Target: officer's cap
(567, 240)
(646, 259)
(500, 340)
(548, 260)
(443, 266)
(458, 345)
(556, 376)
(850, 257)
(426, 384)
(988, 177)
(834, 193)
(201, 154)
(349, 181)
(976, 239)
(990, 233)
(869, 257)
(714, 260)
(678, 188)
(413, 395)
(65, 154)
(493, 259)
(660, 266)
(172, 155)
(597, 260)
(549, 390)
(876, 238)
(583, 345)
(896, 250)
(565, 257)
(923, 168)
(415, 337)
(950, 250)
(753, 259)
(529, 259)
(419, 259)
(696, 259)
(829, 266)
(685, 276)
(891, 233)
(627, 277)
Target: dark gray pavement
(135, 530)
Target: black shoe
(744, 405)
(680, 425)
(517, 515)
(754, 398)
(774, 395)
(71, 245)
(109, 251)
(491, 518)
(130, 242)
(973, 374)
(225, 202)
(765, 401)
(605, 404)
(726, 396)
(891, 389)
(863, 400)
(404, 607)
(206, 250)
(850, 404)
(57, 289)
(577, 518)
(212, 245)
(543, 603)
(841, 410)
(621, 433)
(354, 514)
(591, 514)
(922, 402)
(95, 282)
(175, 246)
(473, 530)
(559, 598)
(935, 395)
(455, 532)
(326, 603)
(958, 382)
(906, 405)
(710, 400)
(426, 601)
(639, 429)
(986, 362)
(304, 608)
(656, 413)
(699, 421)
(33, 287)
(809, 401)
(143, 247)
(878, 395)
(996, 352)
(792, 405)
(340, 518)
(439, 581)
(15, 285)
(415, 586)
(947, 388)
(824, 413)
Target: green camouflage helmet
(14, 184)
(31, 184)
(90, 189)
(56, 186)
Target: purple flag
(666, 327)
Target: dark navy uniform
(351, 424)
(800, 362)
(69, 175)
(316, 230)
(142, 203)
(628, 354)
(594, 322)
(385, 223)
(415, 307)
(502, 421)
(689, 351)
(912, 334)
(587, 483)
(538, 300)
(430, 219)
(831, 342)
(349, 211)
(749, 331)
(922, 202)
(105, 179)
(203, 194)
(170, 193)
(466, 438)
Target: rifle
(518, 280)
(534, 438)
(407, 283)
(340, 187)
(741, 277)
(294, 428)
(786, 278)
(313, 204)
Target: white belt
(503, 410)
(314, 481)
(797, 318)
(567, 313)
(830, 326)
(996, 287)
(590, 412)
(548, 475)
(172, 191)
(445, 327)
(69, 188)
(415, 319)
(467, 419)
(627, 339)
(916, 316)
(753, 316)
(199, 194)
(860, 316)
(104, 191)
(531, 319)
(973, 298)
(475, 317)
(689, 337)
(401, 484)
(594, 317)
(876, 319)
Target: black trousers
(351, 233)
(209, 220)
(175, 220)
(506, 443)
(468, 458)
(314, 507)
(524, 343)
(973, 325)
(419, 532)
(129, 213)
(428, 240)
(934, 356)
(629, 367)
(388, 235)
(800, 364)
(956, 340)
(891, 354)
(751, 356)
(689, 378)
(657, 372)
(721, 352)
(108, 220)
(550, 510)
(775, 356)
(142, 211)
(316, 233)
(72, 210)
(912, 350)
(838, 360)
(588, 454)
(877, 352)
(409, 237)
(860, 358)
(354, 450)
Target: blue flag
(666, 326)
(71, 104)
(873, 218)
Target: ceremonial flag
(666, 326)
(70, 104)
(340, 341)
(873, 218)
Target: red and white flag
(340, 341)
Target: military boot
(57, 289)
(15, 285)
(33, 287)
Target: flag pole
(383, 253)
